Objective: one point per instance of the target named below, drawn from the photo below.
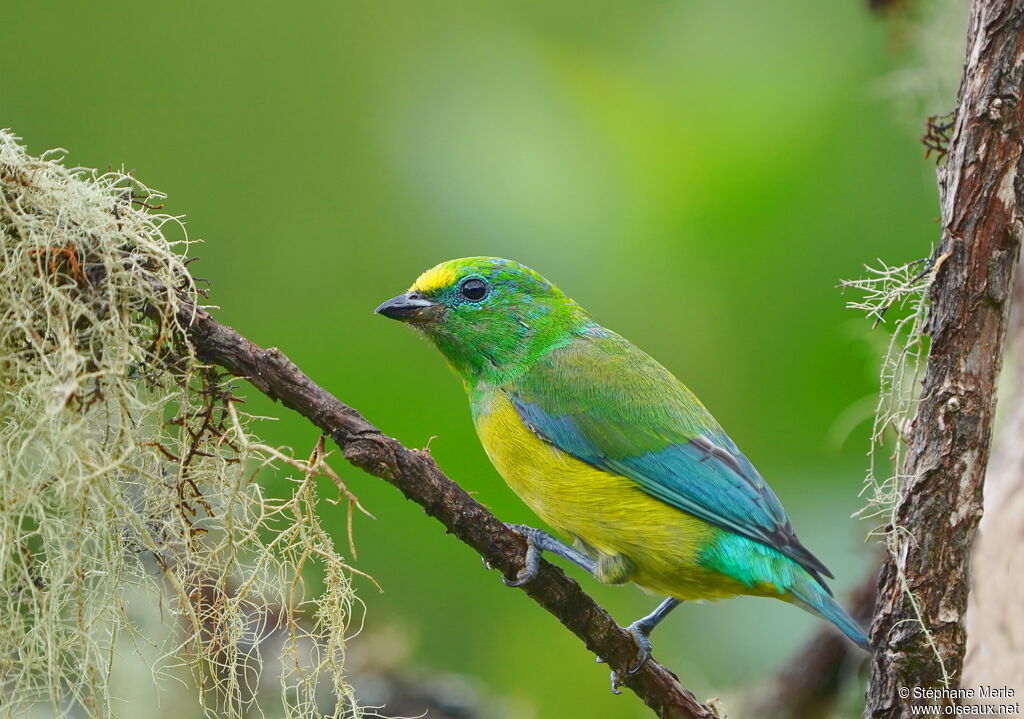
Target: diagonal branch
(416, 475)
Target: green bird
(609, 448)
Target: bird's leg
(537, 542)
(641, 630)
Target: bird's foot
(537, 542)
(534, 542)
(640, 633)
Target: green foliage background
(699, 174)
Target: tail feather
(810, 596)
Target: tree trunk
(995, 619)
(918, 632)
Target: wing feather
(609, 404)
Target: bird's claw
(615, 679)
(523, 576)
(643, 645)
(531, 565)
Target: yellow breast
(609, 513)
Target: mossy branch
(126, 475)
(417, 476)
(103, 489)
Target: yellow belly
(608, 512)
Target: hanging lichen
(126, 472)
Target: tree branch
(924, 579)
(416, 475)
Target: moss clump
(126, 472)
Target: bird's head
(489, 317)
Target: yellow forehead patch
(435, 278)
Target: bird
(609, 449)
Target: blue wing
(609, 404)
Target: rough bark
(416, 475)
(995, 619)
(924, 579)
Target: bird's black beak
(409, 307)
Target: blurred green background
(699, 174)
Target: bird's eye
(473, 289)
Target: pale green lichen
(899, 294)
(126, 474)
